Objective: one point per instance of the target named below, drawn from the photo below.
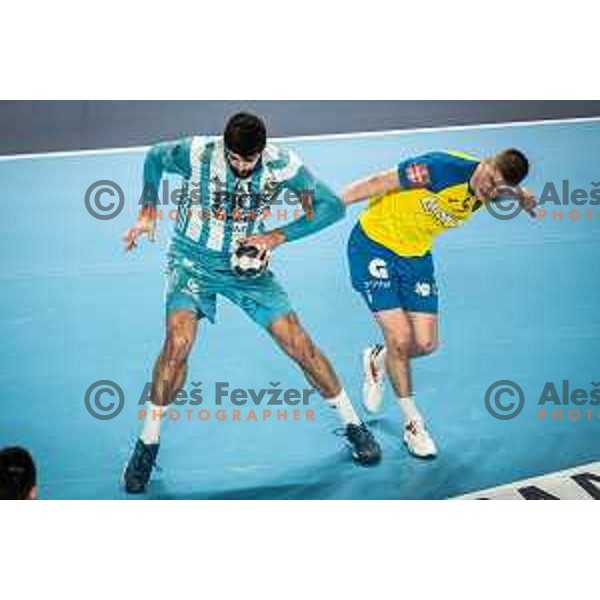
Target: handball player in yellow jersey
(389, 254)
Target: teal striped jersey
(217, 208)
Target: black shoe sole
(366, 462)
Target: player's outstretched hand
(529, 202)
(265, 241)
(146, 225)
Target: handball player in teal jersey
(235, 179)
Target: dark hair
(513, 165)
(17, 473)
(245, 134)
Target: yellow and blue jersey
(434, 197)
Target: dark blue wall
(40, 126)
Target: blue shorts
(195, 280)
(387, 280)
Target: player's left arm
(322, 208)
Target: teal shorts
(194, 280)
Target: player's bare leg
(423, 341)
(406, 336)
(293, 339)
(169, 374)
(170, 369)
(425, 333)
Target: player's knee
(399, 348)
(426, 347)
(293, 340)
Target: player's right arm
(416, 172)
(166, 157)
(374, 185)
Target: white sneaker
(418, 441)
(374, 378)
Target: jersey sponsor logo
(431, 206)
(580, 483)
(240, 203)
(418, 174)
(424, 289)
(378, 269)
(192, 288)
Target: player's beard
(243, 174)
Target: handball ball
(249, 261)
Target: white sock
(409, 410)
(154, 418)
(342, 405)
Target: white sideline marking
(326, 136)
(563, 485)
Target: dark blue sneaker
(139, 468)
(365, 449)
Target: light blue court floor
(519, 301)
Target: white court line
(326, 136)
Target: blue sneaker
(365, 449)
(139, 468)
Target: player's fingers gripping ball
(249, 261)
